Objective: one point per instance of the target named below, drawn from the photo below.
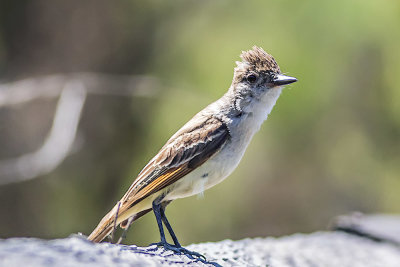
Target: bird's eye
(251, 78)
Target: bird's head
(258, 77)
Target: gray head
(259, 69)
(257, 77)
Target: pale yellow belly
(212, 172)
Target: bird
(204, 151)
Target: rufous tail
(105, 227)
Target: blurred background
(91, 90)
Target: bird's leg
(159, 211)
(169, 228)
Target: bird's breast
(212, 172)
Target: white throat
(270, 99)
(260, 109)
(242, 128)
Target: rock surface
(378, 227)
(335, 248)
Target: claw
(191, 254)
(180, 250)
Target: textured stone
(379, 227)
(364, 241)
(317, 249)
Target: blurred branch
(51, 86)
(57, 144)
(73, 90)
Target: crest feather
(254, 60)
(259, 60)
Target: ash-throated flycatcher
(205, 150)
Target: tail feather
(105, 227)
(99, 234)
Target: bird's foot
(180, 250)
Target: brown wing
(186, 150)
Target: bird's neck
(252, 116)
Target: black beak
(281, 79)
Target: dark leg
(157, 213)
(160, 217)
(169, 228)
